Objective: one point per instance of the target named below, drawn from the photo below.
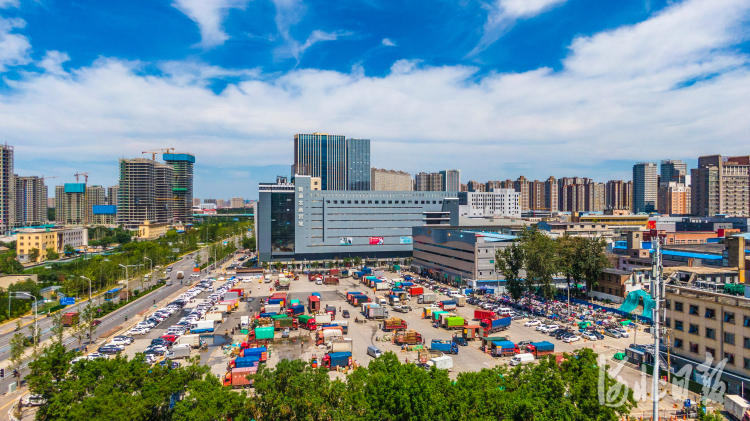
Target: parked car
(623, 333)
(589, 335)
(613, 333)
(532, 323)
(572, 338)
(598, 335)
(108, 349)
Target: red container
(484, 314)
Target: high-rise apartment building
(166, 196)
(112, 195)
(182, 186)
(451, 180)
(95, 196)
(358, 164)
(721, 185)
(536, 195)
(618, 195)
(645, 188)
(31, 201)
(445, 180)
(522, 186)
(475, 186)
(390, 180)
(673, 170)
(551, 195)
(673, 198)
(7, 189)
(70, 204)
(436, 182)
(322, 155)
(237, 202)
(142, 181)
(595, 196)
(422, 181)
(490, 185)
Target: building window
(693, 347)
(729, 357)
(710, 333)
(746, 343)
(678, 343)
(668, 304)
(693, 310)
(678, 306)
(729, 318)
(668, 322)
(693, 329)
(746, 321)
(729, 338)
(678, 325)
(710, 313)
(711, 352)
(747, 363)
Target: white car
(532, 323)
(119, 346)
(137, 331)
(33, 400)
(623, 333)
(573, 338)
(548, 328)
(95, 355)
(119, 342)
(588, 335)
(540, 327)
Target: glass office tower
(358, 164)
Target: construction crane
(85, 176)
(47, 178)
(153, 152)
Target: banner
(405, 240)
(346, 241)
(376, 240)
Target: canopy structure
(637, 297)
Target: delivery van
(373, 351)
(522, 359)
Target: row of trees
(531, 263)
(385, 390)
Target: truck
(480, 314)
(415, 291)
(472, 332)
(193, 340)
(488, 340)
(447, 305)
(180, 274)
(271, 308)
(285, 322)
(394, 300)
(503, 349)
(737, 407)
(356, 300)
(330, 309)
(448, 347)
(441, 363)
(337, 359)
(224, 308)
(323, 319)
(427, 298)
(232, 295)
(340, 345)
(242, 362)
(425, 355)
(282, 284)
(264, 332)
(394, 323)
(70, 319)
(307, 322)
(349, 295)
(453, 322)
(376, 313)
(261, 353)
(540, 349)
(296, 310)
(381, 300)
(495, 325)
(331, 280)
(381, 286)
(238, 377)
(460, 300)
(522, 358)
(202, 326)
(244, 322)
(216, 316)
(410, 337)
(178, 352)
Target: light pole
(89, 286)
(151, 266)
(127, 287)
(27, 296)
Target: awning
(112, 291)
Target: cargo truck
(448, 347)
(296, 310)
(394, 323)
(503, 349)
(331, 280)
(232, 295)
(180, 274)
(261, 353)
(70, 319)
(480, 314)
(244, 322)
(349, 295)
(411, 337)
(282, 284)
(242, 362)
(453, 322)
(307, 322)
(427, 298)
(415, 291)
(178, 352)
(376, 313)
(447, 305)
(540, 349)
(737, 407)
(495, 325)
(425, 355)
(332, 311)
(271, 308)
(285, 323)
(381, 300)
(381, 286)
(323, 319)
(472, 332)
(359, 299)
(460, 300)
(202, 326)
(337, 359)
(488, 340)
(238, 377)
(264, 333)
(313, 304)
(193, 340)
(394, 300)
(340, 345)
(216, 316)
(441, 363)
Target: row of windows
(710, 313)
(695, 349)
(383, 202)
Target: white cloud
(502, 14)
(388, 43)
(290, 13)
(52, 62)
(9, 3)
(209, 15)
(620, 95)
(14, 48)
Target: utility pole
(656, 293)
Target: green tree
(541, 261)
(69, 249)
(593, 261)
(357, 260)
(278, 265)
(509, 262)
(569, 261)
(34, 255)
(17, 349)
(88, 321)
(52, 254)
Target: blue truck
(296, 310)
(337, 359)
(494, 325)
(241, 362)
(447, 347)
(503, 348)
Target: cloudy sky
(496, 88)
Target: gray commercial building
(358, 164)
(297, 222)
(645, 187)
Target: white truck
(381, 286)
(192, 340)
(202, 326)
(244, 321)
(272, 308)
(338, 345)
(216, 316)
(180, 274)
(323, 319)
(178, 352)
(442, 363)
(524, 358)
(737, 407)
(460, 300)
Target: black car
(161, 341)
(153, 351)
(164, 362)
(108, 350)
(345, 314)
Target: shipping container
(264, 333)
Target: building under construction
(182, 187)
(145, 192)
(70, 204)
(7, 189)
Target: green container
(303, 319)
(454, 321)
(436, 315)
(265, 332)
(294, 303)
(278, 316)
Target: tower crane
(153, 152)
(85, 176)
(47, 178)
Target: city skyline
(582, 87)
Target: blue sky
(496, 88)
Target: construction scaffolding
(182, 186)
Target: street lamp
(25, 296)
(89, 286)
(127, 287)
(151, 266)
